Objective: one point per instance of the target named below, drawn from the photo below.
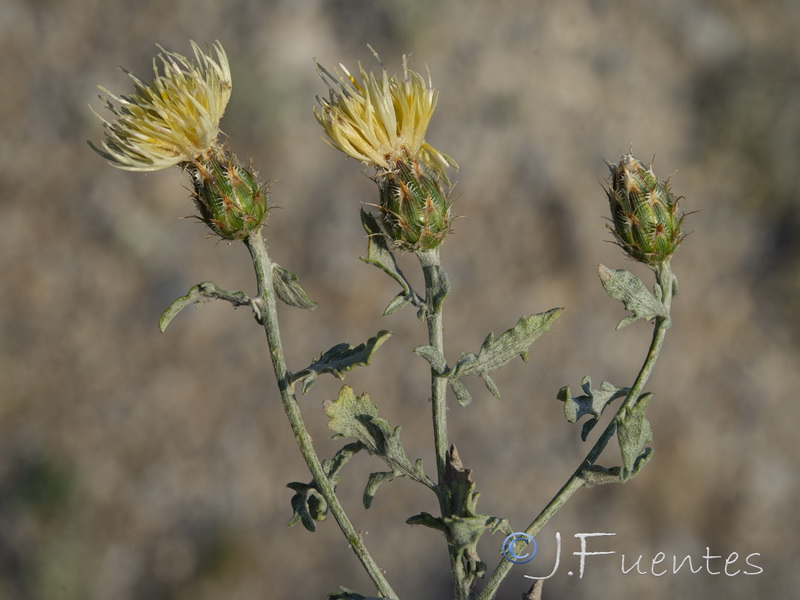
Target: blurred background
(135, 465)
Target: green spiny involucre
(646, 220)
(229, 196)
(414, 205)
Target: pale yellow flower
(172, 119)
(380, 119)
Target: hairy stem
(435, 288)
(430, 267)
(269, 319)
(665, 281)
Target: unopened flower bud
(229, 196)
(414, 205)
(644, 212)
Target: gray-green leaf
(634, 433)
(624, 286)
(592, 402)
(375, 479)
(594, 475)
(437, 284)
(288, 289)
(434, 357)
(357, 417)
(460, 390)
(427, 520)
(308, 503)
(339, 359)
(396, 304)
(491, 385)
(496, 352)
(201, 291)
(379, 254)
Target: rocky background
(135, 465)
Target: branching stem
(665, 281)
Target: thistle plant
(381, 120)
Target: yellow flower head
(172, 119)
(381, 119)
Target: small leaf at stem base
(288, 289)
(624, 286)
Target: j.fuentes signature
(661, 564)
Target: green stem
(269, 318)
(431, 266)
(435, 290)
(665, 281)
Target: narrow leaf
(396, 304)
(333, 465)
(379, 255)
(438, 286)
(375, 479)
(200, 292)
(378, 252)
(427, 520)
(434, 357)
(633, 434)
(177, 306)
(491, 385)
(460, 390)
(288, 289)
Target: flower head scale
(381, 119)
(172, 119)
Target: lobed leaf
(340, 359)
(496, 352)
(592, 402)
(624, 286)
(308, 503)
(357, 417)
